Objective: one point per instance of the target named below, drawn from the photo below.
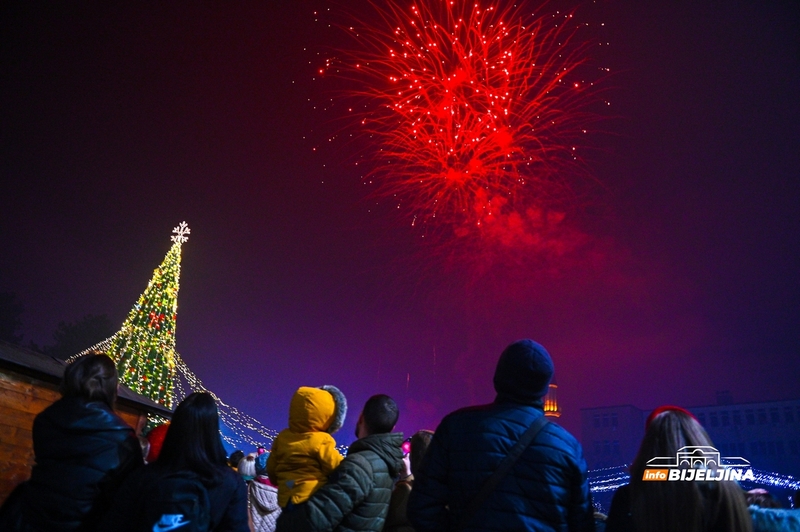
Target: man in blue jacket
(547, 488)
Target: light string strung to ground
(247, 429)
(144, 352)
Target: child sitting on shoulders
(304, 454)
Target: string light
(147, 362)
(144, 347)
(246, 428)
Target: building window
(750, 417)
(788, 414)
(713, 419)
(596, 421)
(762, 416)
(614, 420)
(606, 447)
(737, 417)
(774, 415)
(605, 420)
(725, 417)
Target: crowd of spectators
(503, 466)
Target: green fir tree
(144, 348)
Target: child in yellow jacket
(304, 454)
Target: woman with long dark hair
(192, 449)
(83, 451)
(664, 506)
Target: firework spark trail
(474, 108)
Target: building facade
(611, 435)
(767, 434)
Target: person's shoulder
(106, 418)
(319, 438)
(558, 431)
(468, 413)
(358, 461)
(143, 475)
(559, 437)
(228, 485)
(229, 476)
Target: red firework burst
(476, 109)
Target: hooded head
(523, 373)
(317, 410)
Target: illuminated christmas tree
(144, 348)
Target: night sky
(120, 120)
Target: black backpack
(176, 501)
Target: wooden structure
(28, 384)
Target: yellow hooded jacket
(304, 454)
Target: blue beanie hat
(523, 373)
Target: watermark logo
(700, 463)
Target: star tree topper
(180, 233)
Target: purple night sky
(120, 120)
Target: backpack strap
(502, 470)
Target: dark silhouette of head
(193, 441)
(235, 457)
(761, 498)
(523, 373)
(92, 377)
(419, 446)
(379, 415)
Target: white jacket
(263, 504)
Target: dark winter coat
(397, 518)
(227, 498)
(83, 452)
(546, 490)
(356, 496)
(619, 515)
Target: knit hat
(247, 466)
(523, 373)
(261, 463)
